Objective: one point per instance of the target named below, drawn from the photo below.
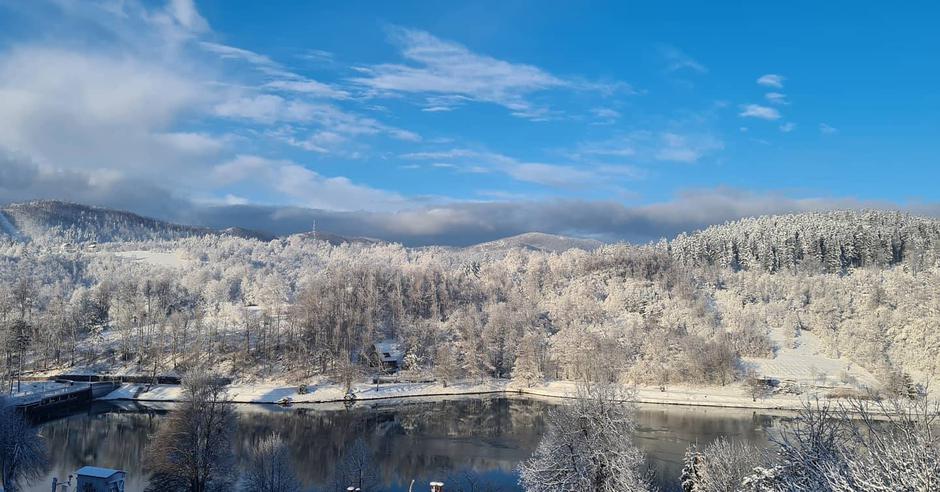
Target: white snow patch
(168, 259)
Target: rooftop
(96, 472)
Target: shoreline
(731, 396)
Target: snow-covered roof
(97, 472)
(389, 350)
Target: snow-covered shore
(731, 396)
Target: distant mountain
(247, 233)
(71, 222)
(336, 239)
(537, 241)
(57, 221)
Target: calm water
(481, 440)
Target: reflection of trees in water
(407, 440)
(114, 440)
(664, 433)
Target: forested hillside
(830, 242)
(60, 222)
(689, 311)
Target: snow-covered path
(731, 396)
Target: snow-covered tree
(588, 446)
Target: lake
(458, 441)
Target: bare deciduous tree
(22, 451)
(192, 451)
(269, 468)
(356, 468)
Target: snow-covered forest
(688, 311)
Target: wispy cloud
(310, 87)
(676, 60)
(788, 127)
(684, 148)
(439, 67)
(758, 111)
(605, 116)
(284, 79)
(546, 174)
(771, 80)
(826, 129)
(776, 98)
(645, 146)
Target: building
(389, 355)
(95, 479)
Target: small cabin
(389, 355)
(96, 479)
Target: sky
(440, 123)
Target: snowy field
(167, 259)
(807, 364)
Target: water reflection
(478, 440)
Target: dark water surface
(457, 440)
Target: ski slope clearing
(166, 259)
(806, 363)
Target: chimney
(437, 486)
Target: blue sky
(433, 122)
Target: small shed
(96, 479)
(389, 355)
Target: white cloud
(285, 80)
(447, 68)
(776, 98)
(185, 13)
(546, 174)
(758, 111)
(84, 110)
(771, 80)
(305, 187)
(337, 193)
(788, 127)
(270, 109)
(827, 130)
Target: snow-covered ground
(733, 396)
(807, 364)
(168, 259)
